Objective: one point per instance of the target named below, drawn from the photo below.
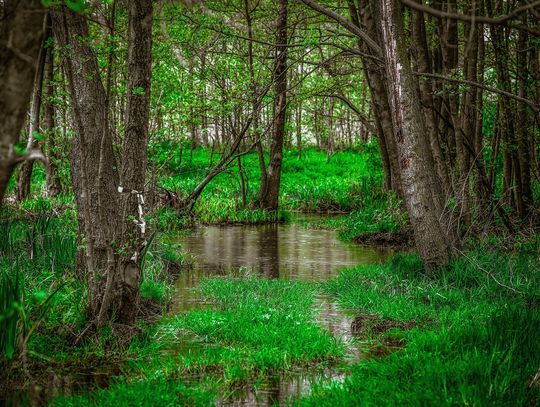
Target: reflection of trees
(268, 250)
(274, 391)
(274, 251)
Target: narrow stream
(285, 251)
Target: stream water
(285, 251)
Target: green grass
(350, 180)
(383, 215)
(253, 329)
(476, 343)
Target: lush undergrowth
(43, 300)
(468, 335)
(349, 180)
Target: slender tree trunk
(506, 109)
(299, 129)
(270, 193)
(53, 186)
(424, 64)
(523, 129)
(21, 37)
(22, 191)
(376, 80)
(483, 188)
(243, 190)
(134, 158)
(431, 240)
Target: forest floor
(467, 335)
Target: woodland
(255, 202)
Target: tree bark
(22, 191)
(135, 156)
(53, 185)
(424, 64)
(94, 171)
(523, 130)
(22, 31)
(409, 129)
(269, 196)
(108, 200)
(376, 80)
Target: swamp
(267, 203)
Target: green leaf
(20, 148)
(77, 5)
(39, 297)
(138, 90)
(38, 136)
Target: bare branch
(345, 24)
(470, 18)
(528, 102)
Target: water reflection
(281, 389)
(287, 251)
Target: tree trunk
(269, 198)
(94, 172)
(135, 156)
(506, 120)
(21, 37)
(22, 191)
(107, 207)
(409, 129)
(523, 131)
(53, 185)
(376, 80)
(423, 64)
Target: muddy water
(287, 251)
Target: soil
(399, 240)
(365, 324)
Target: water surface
(285, 251)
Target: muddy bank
(399, 240)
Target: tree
(22, 30)
(109, 200)
(410, 132)
(270, 184)
(25, 174)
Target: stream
(286, 251)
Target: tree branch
(528, 102)
(353, 107)
(469, 18)
(345, 24)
